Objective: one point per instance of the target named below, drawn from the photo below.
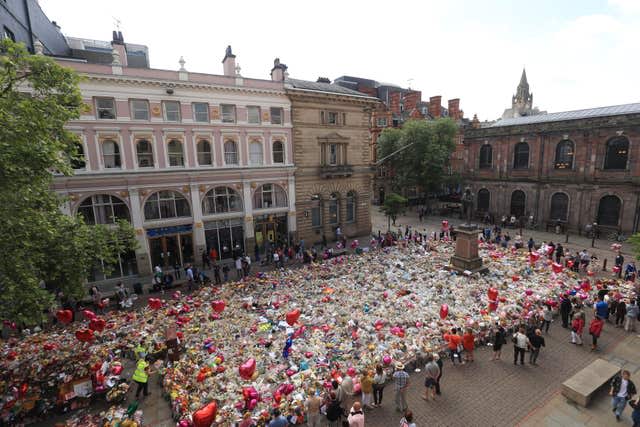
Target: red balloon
(444, 311)
(64, 316)
(97, 324)
(89, 314)
(12, 355)
(515, 278)
(48, 346)
(492, 293)
(204, 417)
(292, 317)
(557, 268)
(84, 335)
(493, 306)
(155, 303)
(218, 306)
(247, 369)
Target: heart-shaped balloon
(492, 293)
(386, 360)
(88, 314)
(247, 369)
(64, 316)
(84, 335)
(557, 268)
(218, 306)
(444, 311)
(205, 416)
(48, 346)
(97, 324)
(292, 317)
(155, 303)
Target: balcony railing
(336, 171)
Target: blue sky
(578, 54)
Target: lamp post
(593, 234)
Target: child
(468, 342)
(366, 386)
(595, 329)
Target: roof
(614, 110)
(324, 87)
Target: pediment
(333, 137)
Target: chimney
(117, 44)
(323, 80)
(278, 71)
(229, 63)
(411, 99)
(475, 123)
(454, 109)
(435, 108)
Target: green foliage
(427, 148)
(634, 241)
(39, 242)
(393, 205)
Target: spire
(523, 79)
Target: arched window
(269, 196)
(204, 153)
(78, 161)
(521, 156)
(617, 153)
(220, 200)
(103, 209)
(316, 210)
(564, 155)
(278, 152)
(518, 199)
(111, 154)
(144, 150)
(559, 207)
(176, 155)
(166, 204)
(609, 211)
(230, 152)
(351, 206)
(483, 200)
(486, 156)
(334, 209)
(255, 153)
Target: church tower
(522, 101)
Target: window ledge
(336, 171)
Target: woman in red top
(454, 343)
(468, 342)
(595, 329)
(577, 326)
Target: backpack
(334, 411)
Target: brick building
(332, 155)
(573, 167)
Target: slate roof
(324, 87)
(613, 110)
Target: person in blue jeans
(622, 390)
(635, 415)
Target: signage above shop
(165, 231)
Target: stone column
(198, 227)
(247, 202)
(137, 220)
(291, 190)
(466, 257)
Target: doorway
(168, 251)
(271, 227)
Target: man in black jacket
(536, 341)
(565, 309)
(622, 390)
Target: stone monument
(466, 257)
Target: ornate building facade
(194, 161)
(332, 152)
(572, 168)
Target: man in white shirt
(190, 280)
(520, 344)
(239, 273)
(622, 389)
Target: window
(204, 153)
(518, 203)
(276, 116)
(334, 209)
(8, 34)
(201, 112)
(564, 155)
(124, 266)
(332, 118)
(139, 109)
(351, 206)
(278, 152)
(483, 200)
(255, 153)
(230, 152)
(521, 156)
(144, 150)
(316, 211)
(106, 108)
(176, 156)
(486, 156)
(171, 111)
(110, 154)
(228, 113)
(559, 207)
(617, 153)
(221, 200)
(166, 204)
(381, 122)
(103, 209)
(333, 154)
(609, 211)
(253, 115)
(269, 196)
(78, 160)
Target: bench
(582, 386)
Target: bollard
(604, 265)
(566, 239)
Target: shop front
(170, 246)
(226, 237)
(272, 227)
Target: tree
(426, 147)
(393, 205)
(634, 241)
(40, 244)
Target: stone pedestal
(466, 257)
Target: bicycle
(616, 236)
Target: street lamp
(593, 234)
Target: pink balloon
(386, 360)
